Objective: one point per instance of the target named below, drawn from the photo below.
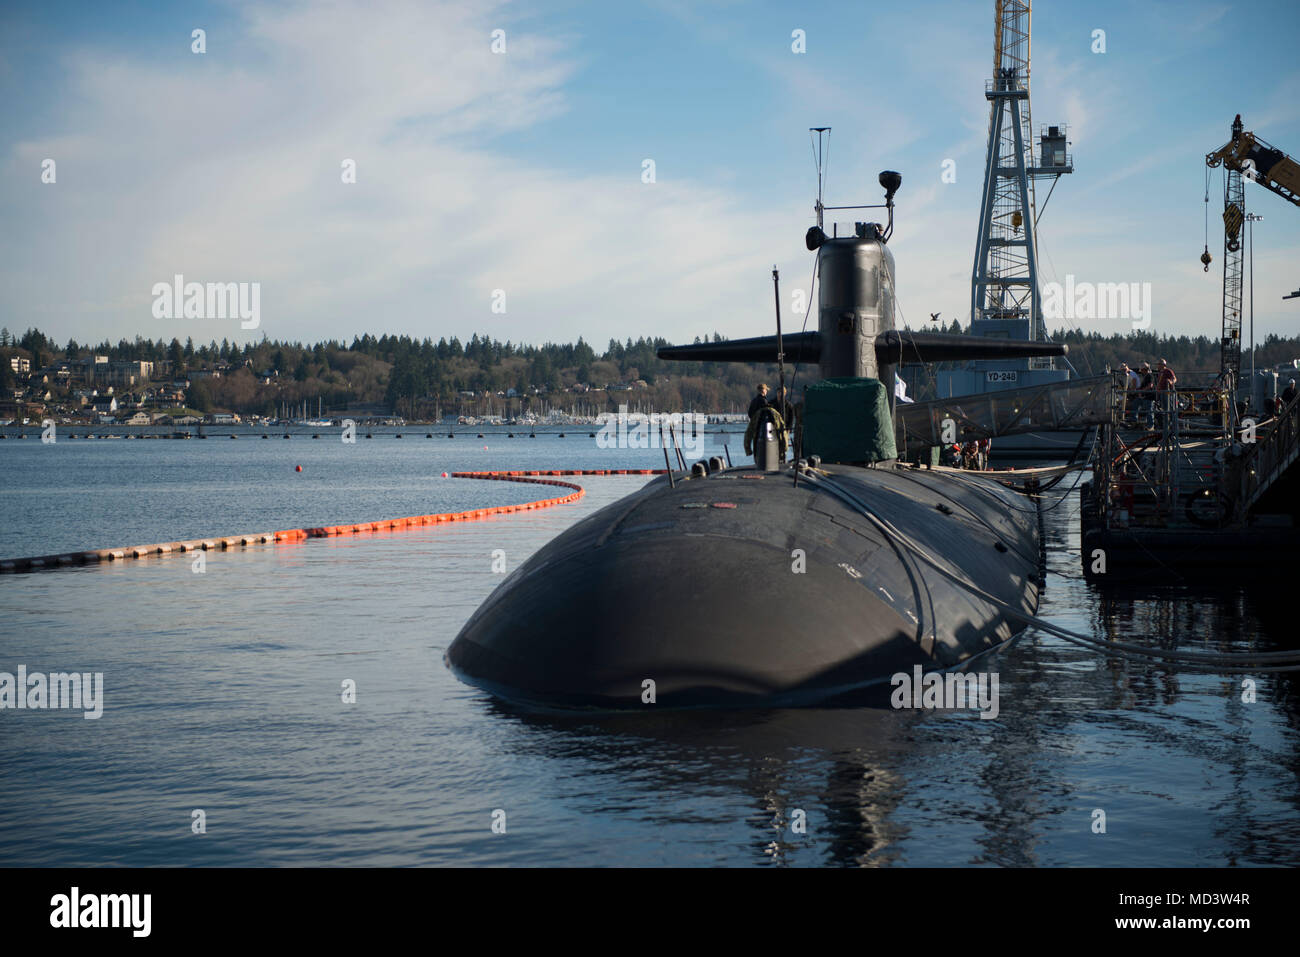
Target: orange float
(328, 531)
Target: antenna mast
(780, 347)
(820, 149)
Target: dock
(1186, 489)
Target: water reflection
(224, 693)
(1186, 771)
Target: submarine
(778, 583)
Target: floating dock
(1184, 489)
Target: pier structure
(1185, 489)
(1185, 486)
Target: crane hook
(1206, 257)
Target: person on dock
(1165, 393)
(1131, 384)
(1146, 396)
(1165, 378)
(759, 401)
(1289, 393)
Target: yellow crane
(1245, 156)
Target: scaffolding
(1164, 459)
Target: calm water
(103, 493)
(222, 692)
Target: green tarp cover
(848, 420)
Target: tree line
(418, 377)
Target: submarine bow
(739, 588)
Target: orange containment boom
(95, 556)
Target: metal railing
(1269, 457)
(1072, 404)
(1018, 84)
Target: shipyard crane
(1005, 299)
(1249, 157)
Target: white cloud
(226, 167)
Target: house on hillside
(166, 397)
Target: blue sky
(523, 171)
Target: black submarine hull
(776, 588)
(743, 588)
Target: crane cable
(1207, 208)
(1268, 662)
(1205, 256)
